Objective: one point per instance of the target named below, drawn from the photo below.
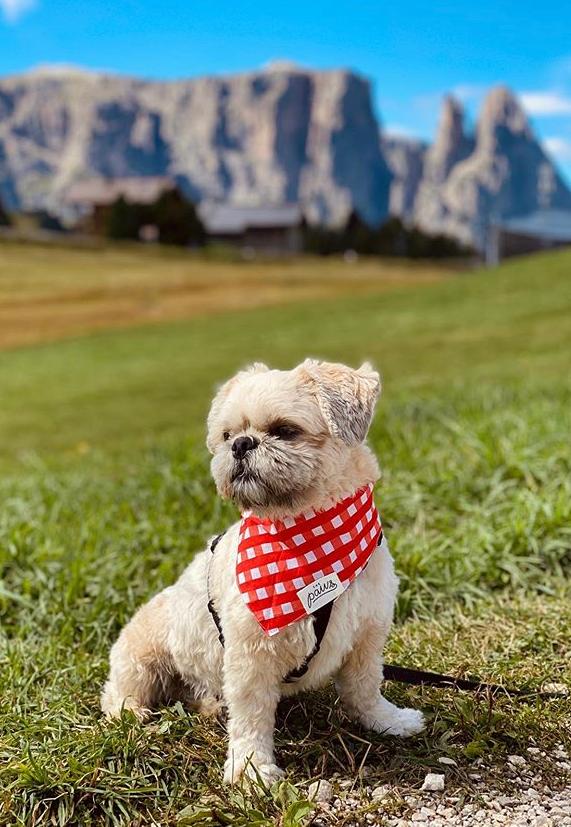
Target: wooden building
(89, 200)
(519, 236)
(271, 230)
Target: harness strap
(213, 613)
(320, 624)
(320, 620)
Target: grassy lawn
(106, 495)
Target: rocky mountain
(405, 158)
(451, 146)
(271, 136)
(468, 181)
(268, 137)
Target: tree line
(391, 238)
(173, 219)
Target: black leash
(391, 672)
(417, 677)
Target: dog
(288, 447)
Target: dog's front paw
(400, 722)
(267, 773)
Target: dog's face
(278, 437)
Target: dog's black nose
(242, 445)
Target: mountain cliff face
(451, 146)
(264, 137)
(503, 172)
(405, 158)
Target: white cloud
(560, 148)
(397, 130)
(13, 10)
(545, 104)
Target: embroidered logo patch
(320, 592)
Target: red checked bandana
(289, 568)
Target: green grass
(106, 496)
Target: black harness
(320, 617)
(391, 672)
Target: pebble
(450, 762)
(433, 782)
(320, 791)
(559, 688)
(517, 760)
(381, 792)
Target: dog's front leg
(252, 679)
(358, 683)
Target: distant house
(268, 230)
(89, 199)
(541, 230)
(89, 192)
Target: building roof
(103, 191)
(233, 219)
(554, 225)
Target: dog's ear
(346, 397)
(255, 367)
(223, 391)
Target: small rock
(558, 688)
(450, 762)
(320, 791)
(434, 782)
(517, 760)
(381, 792)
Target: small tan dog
(284, 444)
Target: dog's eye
(226, 436)
(284, 431)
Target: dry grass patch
(49, 293)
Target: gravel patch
(518, 793)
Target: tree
(4, 217)
(123, 220)
(174, 217)
(177, 220)
(392, 238)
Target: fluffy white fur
(309, 426)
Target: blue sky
(413, 52)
